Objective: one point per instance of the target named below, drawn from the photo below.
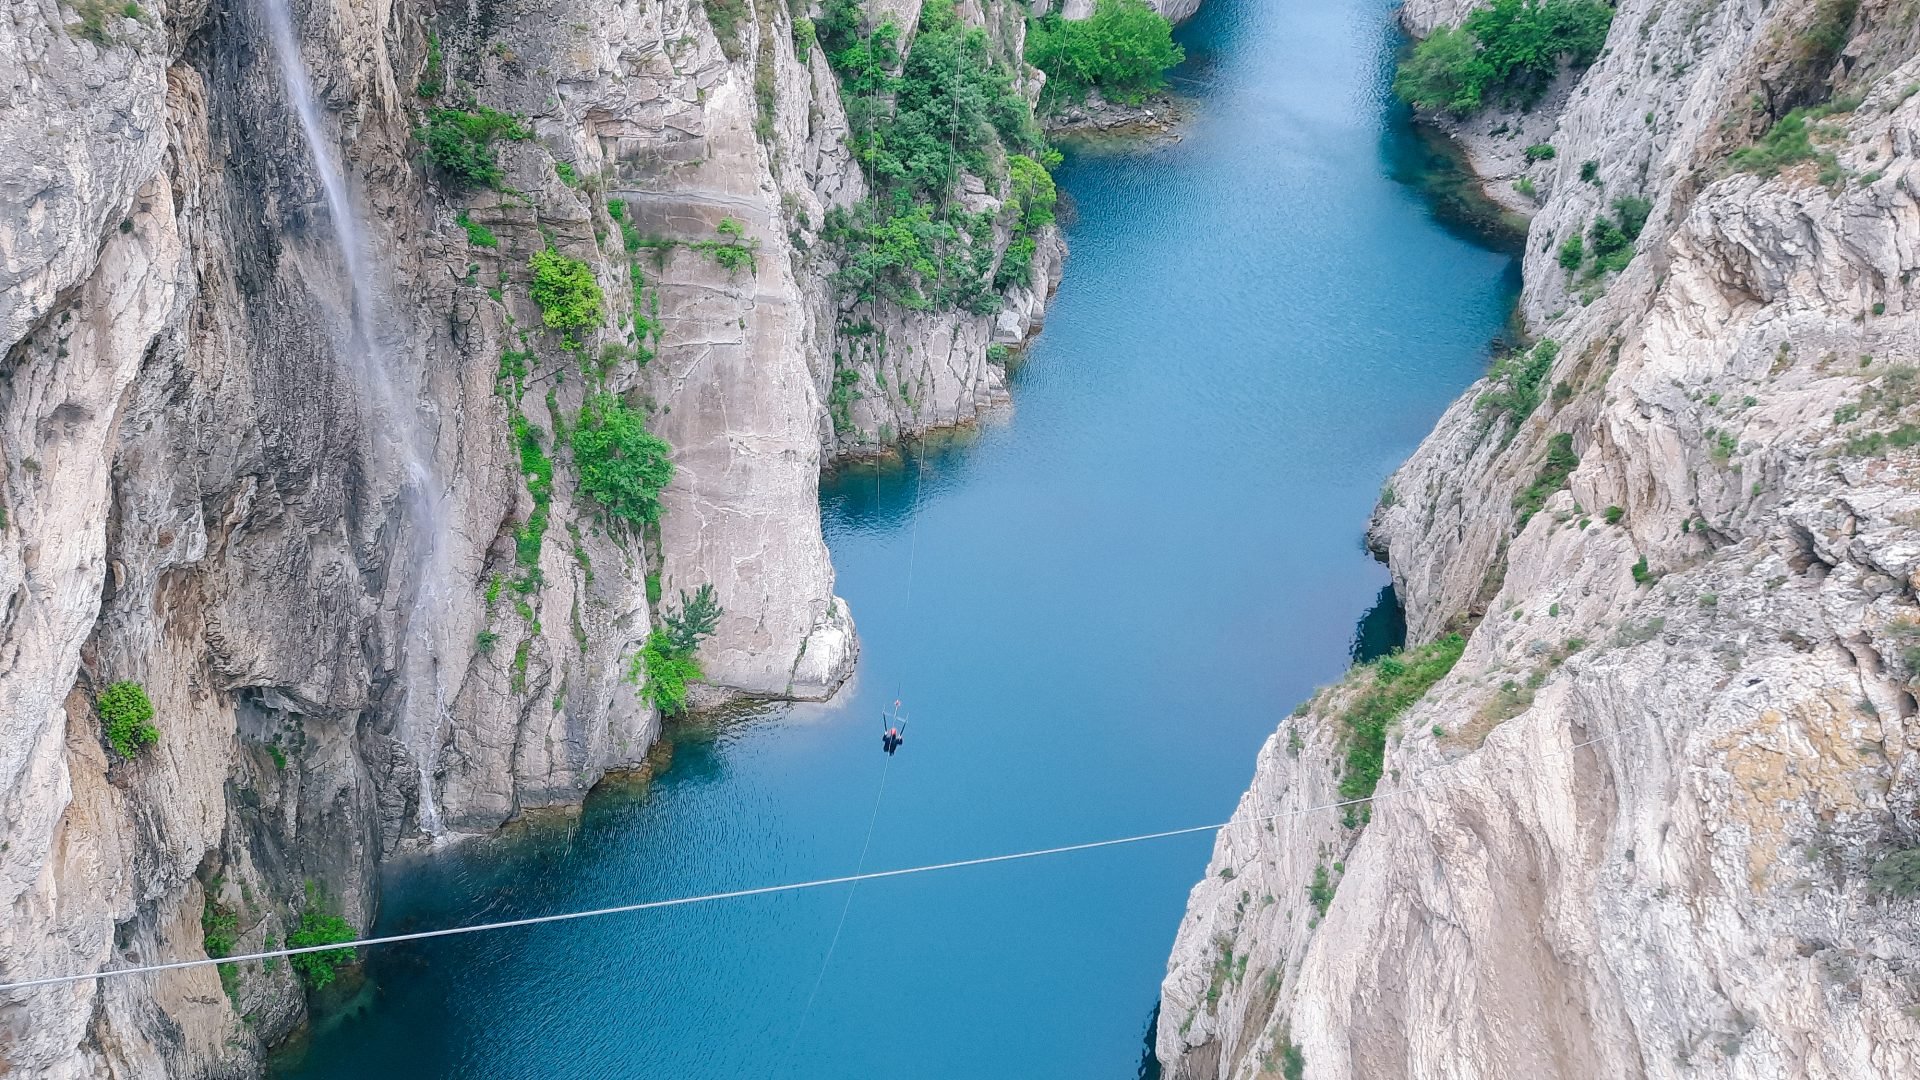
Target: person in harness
(895, 730)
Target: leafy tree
(951, 110)
(126, 714)
(1573, 252)
(665, 664)
(318, 928)
(565, 288)
(1123, 49)
(696, 620)
(1515, 382)
(1509, 51)
(1444, 71)
(460, 143)
(622, 465)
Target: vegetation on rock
(665, 664)
(126, 715)
(622, 465)
(1389, 686)
(565, 289)
(460, 143)
(1506, 53)
(1124, 50)
(951, 111)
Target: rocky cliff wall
(334, 529)
(1640, 828)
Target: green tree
(696, 619)
(1124, 50)
(1444, 71)
(622, 465)
(1509, 51)
(666, 662)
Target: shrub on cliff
(1391, 684)
(622, 465)
(1508, 52)
(565, 288)
(126, 715)
(951, 110)
(319, 928)
(1031, 197)
(1123, 49)
(460, 143)
(1513, 383)
(665, 664)
(1898, 873)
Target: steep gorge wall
(206, 491)
(1632, 831)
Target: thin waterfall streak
(381, 400)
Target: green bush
(1541, 152)
(126, 715)
(1554, 470)
(1573, 252)
(1031, 197)
(460, 143)
(319, 928)
(1124, 49)
(731, 251)
(1516, 379)
(622, 465)
(1898, 873)
(477, 234)
(1788, 142)
(666, 661)
(1631, 213)
(1392, 683)
(430, 77)
(1613, 514)
(1508, 52)
(566, 291)
(537, 469)
(1320, 893)
(219, 925)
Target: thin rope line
(859, 868)
(913, 551)
(769, 890)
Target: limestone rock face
(319, 497)
(1633, 831)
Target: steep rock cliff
(304, 475)
(1635, 830)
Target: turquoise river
(1118, 590)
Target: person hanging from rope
(895, 729)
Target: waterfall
(390, 408)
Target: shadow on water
(1433, 163)
(1382, 629)
(1149, 1056)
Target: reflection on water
(1117, 592)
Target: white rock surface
(1630, 834)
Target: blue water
(1116, 594)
